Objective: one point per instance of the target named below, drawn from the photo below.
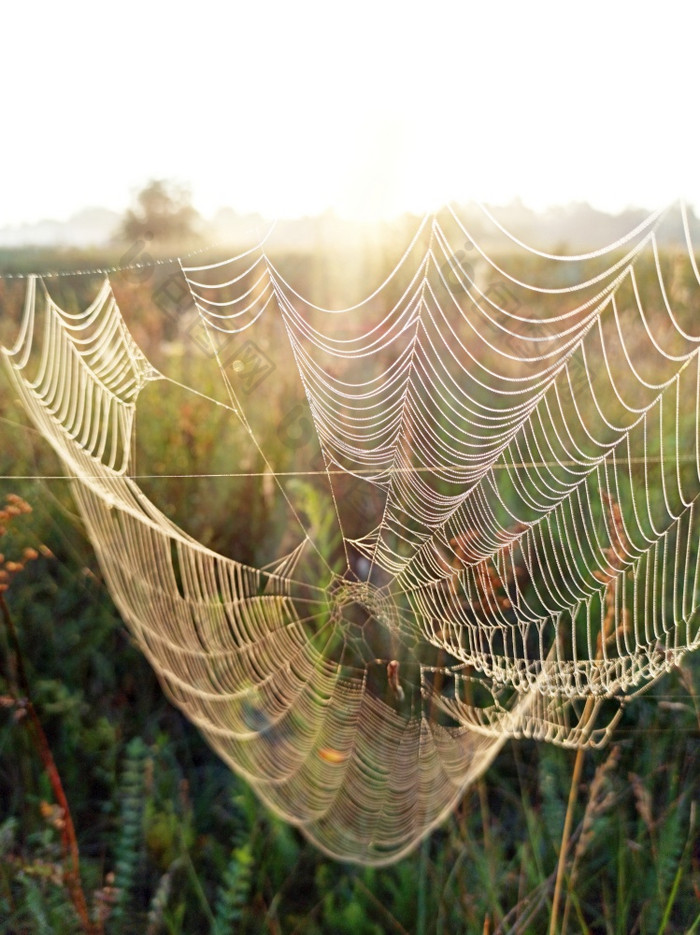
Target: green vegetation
(170, 840)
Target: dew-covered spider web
(524, 427)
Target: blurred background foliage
(170, 840)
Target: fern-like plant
(131, 832)
(234, 890)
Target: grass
(171, 841)
(141, 784)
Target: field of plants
(154, 833)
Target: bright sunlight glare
(368, 110)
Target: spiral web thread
(533, 449)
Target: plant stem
(71, 869)
(566, 833)
(422, 908)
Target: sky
(369, 108)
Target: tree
(163, 213)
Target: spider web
(530, 448)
